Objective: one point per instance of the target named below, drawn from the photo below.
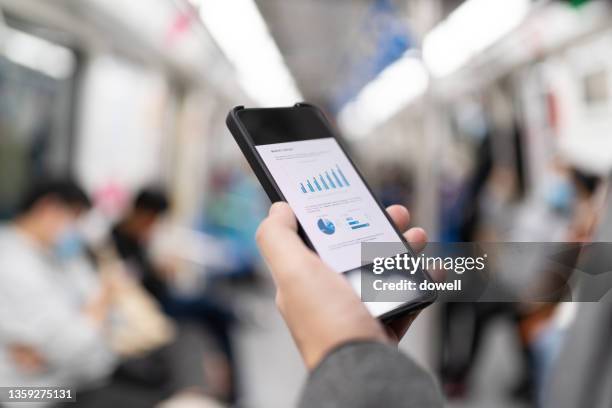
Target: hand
(320, 307)
(98, 305)
(26, 358)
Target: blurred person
(586, 206)
(577, 369)
(51, 327)
(131, 238)
(132, 235)
(563, 215)
(67, 322)
(235, 205)
(574, 193)
(496, 215)
(463, 324)
(395, 185)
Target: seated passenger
(50, 324)
(131, 238)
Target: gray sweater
(369, 374)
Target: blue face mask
(68, 245)
(561, 195)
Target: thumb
(279, 242)
(282, 213)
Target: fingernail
(277, 206)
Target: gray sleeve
(369, 374)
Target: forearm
(368, 374)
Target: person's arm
(337, 337)
(369, 374)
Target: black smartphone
(298, 158)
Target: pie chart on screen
(326, 226)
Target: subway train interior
(491, 121)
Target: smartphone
(299, 158)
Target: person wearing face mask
(51, 327)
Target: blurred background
(489, 120)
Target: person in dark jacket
(131, 237)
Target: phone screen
(331, 201)
(329, 198)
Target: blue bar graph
(356, 224)
(360, 226)
(342, 175)
(337, 178)
(331, 182)
(324, 183)
(332, 179)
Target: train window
(37, 78)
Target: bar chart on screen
(357, 222)
(328, 180)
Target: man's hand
(26, 358)
(319, 306)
